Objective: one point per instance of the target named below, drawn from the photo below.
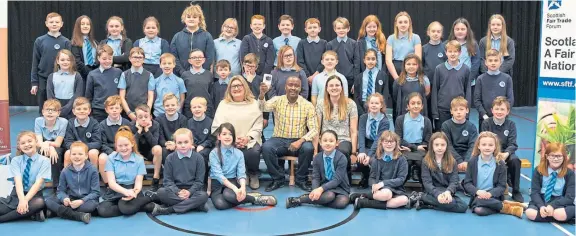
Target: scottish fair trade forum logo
(558, 39)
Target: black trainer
(276, 184)
(292, 202)
(159, 210)
(354, 196)
(39, 217)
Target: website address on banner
(559, 84)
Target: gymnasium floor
(278, 220)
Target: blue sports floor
(305, 219)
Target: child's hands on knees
(75, 204)
(66, 202)
(376, 187)
(315, 194)
(22, 207)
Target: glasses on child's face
(388, 141)
(229, 27)
(554, 157)
(236, 86)
(196, 58)
(288, 55)
(51, 110)
(137, 58)
(248, 66)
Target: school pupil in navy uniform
(28, 171)
(250, 65)
(200, 125)
(147, 135)
(118, 41)
(345, 48)
(193, 36)
(50, 130)
(183, 187)
(83, 128)
(79, 189)
(169, 122)
(552, 194)
(125, 170)
(497, 38)
(198, 82)
(84, 46)
(388, 171)
(439, 178)
(412, 79)
(370, 127)
(485, 179)
(108, 129)
(329, 177)
(45, 49)
(506, 130)
(65, 84)
(371, 81)
(260, 44)
(372, 37)
(414, 130)
(228, 172)
(102, 82)
(433, 54)
(470, 56)
(153, 46)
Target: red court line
(521, 117)
(253, 209)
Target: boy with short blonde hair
(461, 132)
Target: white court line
(553, 223)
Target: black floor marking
(352, 216)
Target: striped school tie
(286, 41)
(329, 168)
(373, 44)
(373, 129)
(387, 158)
(370, 87)
(550, 187)
(26, 175)
(89, 56)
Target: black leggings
(484, 207)
(35, 205)
(329, 199)
(113, 208)
(224, 198)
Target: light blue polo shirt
(40, 168)
(485, 174)
(280, 41)
(125, 171)
(403, 45)
(230, 51)
(163, 85)
(152, 49)
(413, 128)
(59, 129)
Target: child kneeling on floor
(329, 177)
(388, 173)
(183, 188)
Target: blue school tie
(550, 187)
(26, 175)
(387, 158)
(89, 56)
(286, 41)
(373, 129)
(370, 86)
(329, 168)
(373, 44)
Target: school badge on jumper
(56, 46)
(205, 131)
(265, 45)
(116, 80)
(465, 133)
(506, 132)
(440, 54)
(380, 82)
(502, 84)
(88, 135)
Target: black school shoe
(38, 217)
(304, 186)
(517, 196)
(292, 202)
(276, 184)
(413, 199)
(363, 183)
(354, 196)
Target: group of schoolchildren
(98, 102)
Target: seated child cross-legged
(439, 178)
(329, 177)
(28, 171)
(414, 130)
(388, 171)
(552, 197)
(485, 179)
(184, 169)
(79, 189)
(125, 169)
(228, 169)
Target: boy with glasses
(133, 84)
(197, 81)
